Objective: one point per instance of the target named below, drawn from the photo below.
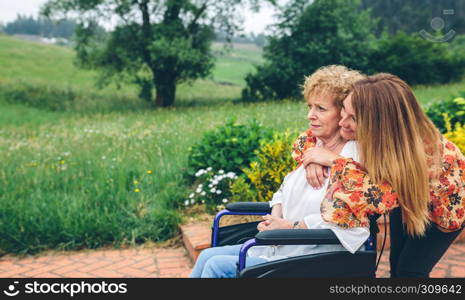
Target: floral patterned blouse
(352, 196)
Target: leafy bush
(336, 32)
(242, 191)
(416, 60)
(212, 189)
(456, 136)
(453, 107)
(228, 148)
(308, 37)
(266, 173)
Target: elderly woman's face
(324, 115)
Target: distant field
(26, 61)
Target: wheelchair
(322, 265)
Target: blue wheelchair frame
(283, 237)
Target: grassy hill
(37, 64)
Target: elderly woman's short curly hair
(334, 80)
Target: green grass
(233, 64)
(71, 179)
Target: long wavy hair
(397, 143)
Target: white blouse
(300, 201)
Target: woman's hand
(319, 155)
(316, 175)
(271, 223)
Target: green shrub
(416, 60)
(311, 36)
(242, 191)
(228, 148)
(267, 171)
(455, 134)
(454, 107)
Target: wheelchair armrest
(297, 237)
(288, 237)
(257, 207)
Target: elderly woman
(297, 204)
(407, 167)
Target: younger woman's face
(348, 123)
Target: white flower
(191, 195)
(203, 193)
(209, 169)
(203, 201)
(218, 192)
(210, 185)
(200, 172)
(192, 201)
(224, 200)
(220, 172)
(213, 190)
(231, 175)
(186, 203)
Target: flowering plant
(211, 188)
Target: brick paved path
(155, 262)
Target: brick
(186, 273)
(68, 268)
(170, 265)
(105, 273)
(47, 275)
(93, 266)
(77, 274)
(133, 273)
(151, 269)
(458, 271)
(16, 271)
(118, 265)
(112, 253)
(144, 263)
(438, 273)
(6, 266)
(452, 262)
(172, 273)
(440, 265)
(62, 261)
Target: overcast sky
(254, 22)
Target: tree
(310, 34)
(414, 15)
(155, 44)
(41, 26)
